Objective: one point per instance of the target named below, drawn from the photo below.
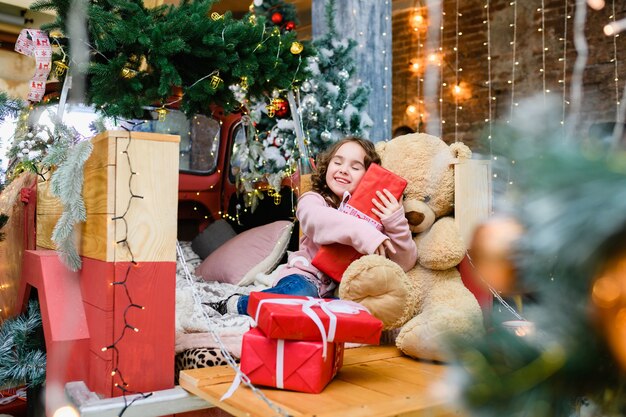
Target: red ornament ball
(277, 18)
(282, 108)
(290, 25)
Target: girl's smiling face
(346, 168)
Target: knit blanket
(197, 324)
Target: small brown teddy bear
(430, 301)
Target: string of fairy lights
(490, 96)
(121, 383)
(386, 76)
(562, 81)
(618, 116)
(513, 44)
(542, 29)
(456, 87)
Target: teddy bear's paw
(381, 286)
(427, 336)
(442, 247)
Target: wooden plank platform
(375, 381)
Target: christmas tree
(331, 106)
(570, 196)
(332, 101)
(141, 57)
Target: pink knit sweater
(322, 225)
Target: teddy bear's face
(425, 161)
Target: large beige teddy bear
(429, 302)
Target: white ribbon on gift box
(330, 307)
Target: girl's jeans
(294, 284)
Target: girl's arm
(396, 227)
(325, 225)
(391, 214)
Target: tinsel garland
(21, 360)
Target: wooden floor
(374, 381)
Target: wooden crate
(84, 312)
(151, 219)
(472, 195)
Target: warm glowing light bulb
(66, 411)
(417, 21)
(411, 110)
(457, 89)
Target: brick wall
(600, 95)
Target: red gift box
(305, 318)
(287, 364)
(334, 259)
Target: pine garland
(570, 195)
(138, 55)
(21, 361)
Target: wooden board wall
(12, 247)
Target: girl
(339, 169)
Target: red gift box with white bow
(334, 259)
(305, 318)
(302, 366)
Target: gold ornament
(270, 109)
(216, 16)
(162, 112)
(59, 68)
(296, 48)
(491, 251)
(128, 73)
(274, 106)
(56, 34)
(275, 194)
(608, 296)
(244, 82)
(215, 81)
(252, 19)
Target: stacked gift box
(298, 341)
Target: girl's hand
(385, 247)
(387, 204)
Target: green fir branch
(21, 361)
(67, 184)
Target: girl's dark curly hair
(318, 179)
